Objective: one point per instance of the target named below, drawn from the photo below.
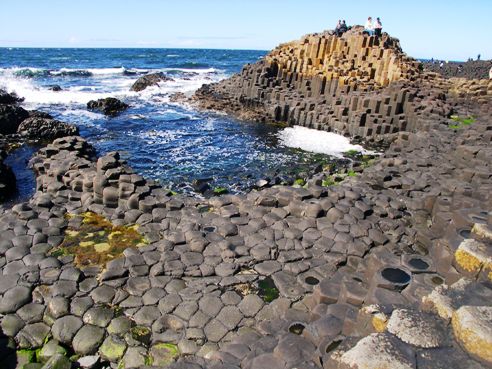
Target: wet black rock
(108, 106)
(7, 179)
(39, 114)
(149, 80)
(9, 98)
(46, 128)
(55, 88)
(10, 118)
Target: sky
(448, 30)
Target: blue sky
(453, 29)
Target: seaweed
(97, 241)
(267, 290)
(461, 122)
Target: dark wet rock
(149, 80)
(108, 106)
(9, 98)
(55, 88)
(7, 179)
(39, 114)
(10, 118)
(46, 129)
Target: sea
(173, 143)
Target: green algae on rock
(163, 354)
(97, 241)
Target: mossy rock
(96, 240)
(220, 191)
(267, 290)
(25, 357)
(113, 348)
(299, 182)
(351, 153)
(162, 354)
(50, 349)
(141, 334)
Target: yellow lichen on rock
(101, 247)
(438, 302)
(467, 261)
(472, 256)
(482, 231)
(379, 322)
(96, 240)
(472, 327)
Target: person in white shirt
(369, 28)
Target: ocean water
(173, 143)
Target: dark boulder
(10, 118)
(152, 79)
(108, 106)
(46, 128)
(7, 179)
(55, 88)
(39, 114)
(6, 98)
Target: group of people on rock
(341, 28)
(371, 28)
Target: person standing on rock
(369, 28)
(378, 27)
(337, 28)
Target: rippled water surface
(172, 143)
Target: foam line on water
(320, 142)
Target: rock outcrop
(108, 106)
(469, 70)
(11, 117)
(46, 129)
(7, 178)
(9, 98)
(148, 80)
(354, 85)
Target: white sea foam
(317, 141)
(103, 82)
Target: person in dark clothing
(343, 27)
(378, 27)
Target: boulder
(108, 106)
(55, 88)
(39, 114)
(10, 118)
(472, 327)
(46, 128)
(7, 179)
(6, 98)
(152, 79)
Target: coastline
(359, 268)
